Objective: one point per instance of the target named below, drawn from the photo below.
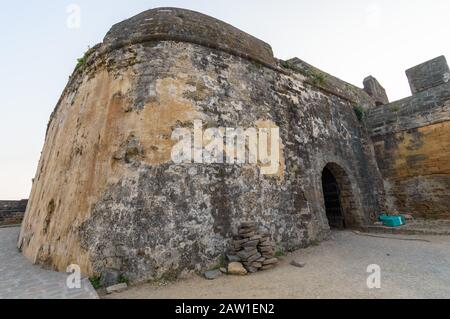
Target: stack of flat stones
(252, 248)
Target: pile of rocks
(252, 248)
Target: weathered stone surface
(298, 263)
(270, 261)
(412, 147)
(236, 268)
(107, 193)
(239, 242)
(250, 244)
(256, 264)
(250, 248)
(375, 90)
(246, 254)
(428, 74)
(173, 24)
(329, 84)
(247, 234)
(251, 269)
(213, 274)
(256, 237)
(116, 288)
(254, 257)
(248, 224)
(266, 249)
(110, 277)
(233, 258)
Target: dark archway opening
(332, 197)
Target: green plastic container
(392, 221)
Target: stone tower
(107, 193)
(412, 144)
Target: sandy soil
(335, 269)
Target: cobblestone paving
(19, 279)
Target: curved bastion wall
(107, 194)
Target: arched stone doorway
(341, 209)
(331, 195)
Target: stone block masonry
(12, 212)
(252, 248)
(428, 74)
(375, 90)
(108, 196)
(412, 144)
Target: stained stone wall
(107, 194)
(412, 144)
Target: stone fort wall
(412, 143)
(107, 194)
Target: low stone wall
(12, 212)
(422, 109)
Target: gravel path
(19, 279)
(335, 269)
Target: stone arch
(351, 213)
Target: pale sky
(347, 38)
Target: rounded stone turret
(174, 24)
(109, 194)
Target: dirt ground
(336, 268)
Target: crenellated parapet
(430, 102)
(428, 75)
(412, 145)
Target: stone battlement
(174, 24)
(411, 143)
(330, 84)
(375, 90)
(428, 75)
(114, 200)
(424, 107)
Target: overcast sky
(347, 38)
